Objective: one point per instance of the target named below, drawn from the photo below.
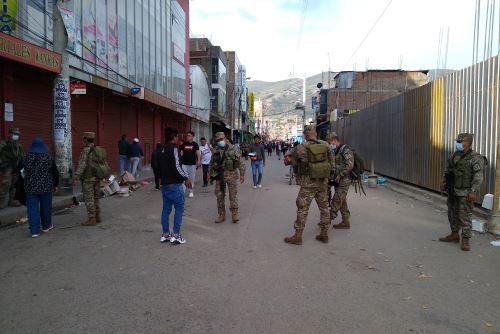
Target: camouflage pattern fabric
(90, 191)
(317, 190)
(11, 154)
(231, 186)
(460, 215)
(339, 200)
(8, 181)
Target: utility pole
(62, 106)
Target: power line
(368, 34)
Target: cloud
(265, 34)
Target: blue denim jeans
(39, 211)
(124, 164)
(173, 195)
(257, 171)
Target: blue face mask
(221, 144)
(459, 147)
(333, 147)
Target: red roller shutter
(112, 130)
(33, 105)
(129, 120)
(83, 119)
(147, 134)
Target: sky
(266, 34)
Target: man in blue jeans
(172, 177)
(257, 156)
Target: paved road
(118, 278)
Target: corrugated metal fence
(411, 135)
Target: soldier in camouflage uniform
(11, 153)
(462, 180)
(310, 188)
(344, 163)
(90, 184)
(224, 167)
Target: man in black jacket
(172, 177)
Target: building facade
(128, 72)
(236, 96)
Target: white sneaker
(255, 187)
(191, 195)
(177, 239)
(260, 186)
(166, 237)
(35, 235)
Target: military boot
(453, 237)
(90, 222)
(465, 246)
(323, 235)
(345, 225)
(221, 219)
(295, 239)
(234, 216)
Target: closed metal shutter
(83, 119)
(112, 130)
(147, 134)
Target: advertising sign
(137, 92)
(89, 32)
(61, 109)
(8, 15)
(78, 88)
(68, 17)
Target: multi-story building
(115, 49)
(236, 96)
(200, 93)
(213, 60)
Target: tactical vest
(462, 172)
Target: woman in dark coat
(41, 178)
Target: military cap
(309, 128)
(220, 135)
(14, 130)
(90, 135)
(465, 137)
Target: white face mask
(15, 137)
(333, 147)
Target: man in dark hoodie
(172, 177)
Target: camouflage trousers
(339, 201)
(8, 181)
(231, 187)
(460, 215)
(318, 191)
(90, 190)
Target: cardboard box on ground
(127, 183)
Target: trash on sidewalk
(21, 221)
(127, 178)
(381, 180)
(144, 183)
(479, 226)
(495, 243)
(110, 186)
(124, 192)
(488, 202)
(424, 276)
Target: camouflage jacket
(82, 171)
(464, 173)
(344, 161)
(232, 161)
(11, 154)
(299, 157)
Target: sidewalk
(11, 215)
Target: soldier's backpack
(357, 172)
(98, 164)
(318, 165)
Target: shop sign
(137, 92)
(78, 88)
(27, 53)
(61, 110)
(8, 15)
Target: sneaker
(255, 187)
(260, 186)
(166, 237)
(191, 195)
(178, 239)
(51, 227)
(35, 235)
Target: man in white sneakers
(190, 158)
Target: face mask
(15, 137)
(459, 147)
(333, 147)
(221, 144)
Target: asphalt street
(388, 274)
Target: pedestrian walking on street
(462, 180)
(344, 163)
(269, 149)
(173, 179)
(278, 150)
(92, 160)
(206, 156)
(313, 163)
(258, 161)
(224, 167)
(124, 152)
(190, 158)
(11, 153)
(155, 166)
(136, 154)
(41, 177)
